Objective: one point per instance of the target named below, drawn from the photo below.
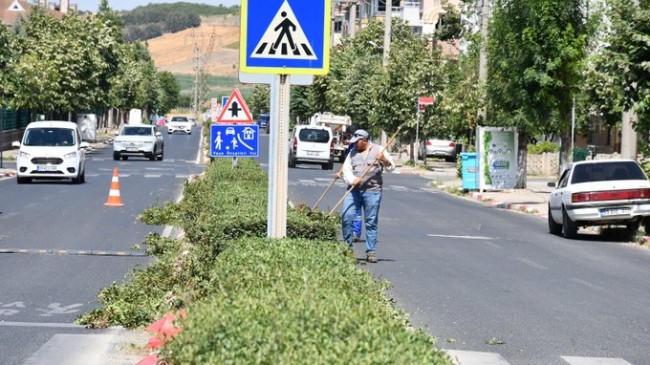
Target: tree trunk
(565, 145)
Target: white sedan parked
(599, 192)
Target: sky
(93, 5)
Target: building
(423, 16)
(13, 10)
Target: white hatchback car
(141, 140)
(51, 150)
(599, 192)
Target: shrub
(296, 302)
(542, 147)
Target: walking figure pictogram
(285, 25)
(218, 141)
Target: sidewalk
(532, 200)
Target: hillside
(174, 52)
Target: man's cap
(359, 134)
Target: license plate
(614, 211)
(312, 153)
(45, 168)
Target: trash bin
(469, 170)
(580, 154)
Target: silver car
(434, 147)
(139, 140)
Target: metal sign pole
(278, 157)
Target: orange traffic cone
(114, 199)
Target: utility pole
(388, 23)
(482, 63)
(197, 72)
(628, 134)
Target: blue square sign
(285, 36)
(234, 140)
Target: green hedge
(254, 300)
(225, 204)
(296, 302)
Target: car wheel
(328, 166)
(76, 180)
(82, 178)
(152, 157)
(292, 161)
(162, 155)
(124, 158)
(116, 156)
(569, 228)
(633, 227)
(553, 227)
(23, 180)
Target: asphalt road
(60, 245)
(493, 286)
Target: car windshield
(607, 171)
(179, 119)
(136, 131)
(314, 135)
(49, 137)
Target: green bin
(580, 154)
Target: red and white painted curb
(162, 329)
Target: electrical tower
(202, 59)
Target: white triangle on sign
(235, 110)
(284, 38)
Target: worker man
(362, 170)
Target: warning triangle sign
(284, 38)
(235, 110)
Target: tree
(6, 55)
(170, 91)
(536, 53)
(620, 72)
(260, 101)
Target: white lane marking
(532, 263)
(588, 284)
(181, 176)
(40, 324)
(461, 237)
(152, 176)
(575, 360)
(476, 358)
(399, 188)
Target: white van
(51, 150)
(312, 144)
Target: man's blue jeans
(370, 201)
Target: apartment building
(423, 16)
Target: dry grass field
(174, 52)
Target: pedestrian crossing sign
(285, 36)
